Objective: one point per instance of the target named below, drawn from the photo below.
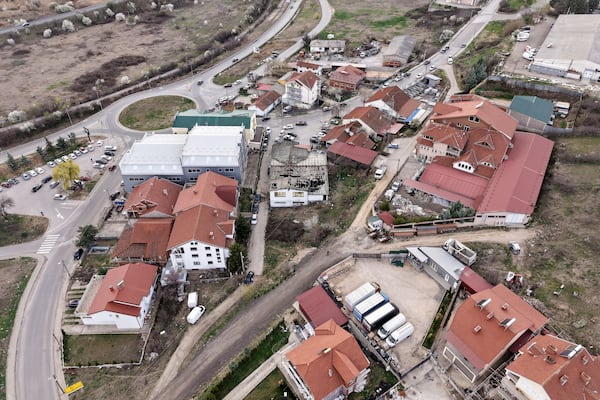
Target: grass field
(154, 113)
(101, 349)
(272, 387)
(21, 228)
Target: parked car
(98, 165)
(426, 62)
(109, 153)
(6, 184)
(301, 123)
(40, 170)
(393, 146)
(326, 108)
(14, 181)
(65, 158)
(101, 161)
(54, 184)
(254, 219)
(105, 157)
(396, 185)
(73, 303)
(78, 254)
(32, 173)
(249, 278)
(36, 188)
(72, 156)
(58, 161)
(195, 314)
(51, 164)
(514, 247)
(46, 179)
(235, 59)
(287, 109)
(288, 126)
(78, 153)
(60, 196)
(112, 168)
(419, 76)
(288, 137)
(228, 84)
(84, 178)
(200, 82)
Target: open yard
(102, 349)
(154, 113)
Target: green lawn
(101, 349)
(272, 387)
(154, 113)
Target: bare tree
(5, 202)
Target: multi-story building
(302, 90)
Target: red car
(84, 178)
(112, 168)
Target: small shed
(473, 282)
(316, 305)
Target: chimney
(211, 234)
(326, 350)
(505, 306)
(121, 284)
(477, 329)
(215, 212)
(111, 288)
(165, 192)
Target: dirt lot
(415, 294)
(37, 71)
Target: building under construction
(297, 176)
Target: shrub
(68, 26)
(16, 116)
(120, 17)
(47, 33)
(63, 8)
(86, 21)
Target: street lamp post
(95, 89)
(65, 267)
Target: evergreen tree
(50, 149)
(40, 151)
(62, 143)
(12, 163)
(24, 161)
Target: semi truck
(379, 316)
(358, 295)
(369, 304)
(391, 325)
(400, 334)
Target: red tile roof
(474, 282)
(319, 308)
(386, 217)
(481, 347)
(156, 195)
(203, 224)
(304, 64)
(446, 134)
(211, 189)
(146, 239)
(125, 298)
(517, 183)
(541, 362)
(327, 360)
(482, 109)
(354, 153)
(268, 98)
(307, 79)
(264, 87)
(351, 133)
(396, 99)
(348, 74)
(370, 116)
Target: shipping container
(369, 304)
(358, 295)
(379, 316)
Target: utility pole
(65, 267)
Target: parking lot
(515, 63)
(415, 294)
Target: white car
(59, 196)
(65, 158)
(195, 314)
(238, 82)
(419, 76)
(288, 126)
(51, 164)
(39, 170)
(72, 156)
(105, 157)
(432, 67)
(254, 219)
(32, 173)
(77, 153)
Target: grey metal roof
(446, 261)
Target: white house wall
(288, 198)
(121, 321)
(200, 256)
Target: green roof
(187, 119)
(533, 106)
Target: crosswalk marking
(48, 244)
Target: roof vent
(477, 329)
(585, 360)
(482, 303)
(326, 350)
(111, 288)
(215, 212)
(211, 234)
(489, 316)
(505, 306)
(330, 372)
(550, 360)
(507, 322)
(585, 377)
(121, 284)
(563, 380)
(479, 105)
(165, 192)
(194, 191)
(551, 349)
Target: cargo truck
(400, 334)
(358, 295)
(391, 325)
(369, 304)
(379, 316)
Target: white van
(400, 334)
(450, 60)
(391, 326)
(110, 148)
(195, 314)
(192, 299)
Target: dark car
(301, 123)
(200, 82)
(235, 59)
(112, 168)
(101, 161)
(47, 179)
(265, 118)
(109, 153)
(426, 62)
(229, 84)
(36, 188)
(249, 278)
(78, 254)
(6, 184)
(73, 303)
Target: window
(217, 251)
(466, 128)
(207, 248)
(459, 124)
(194, 255)
(220, 169)
(210, 263)
(298, 194)
(473, 118)
(279, 194)
(209, 255)
(193, 248)
(197, 263)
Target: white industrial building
(181, 158)
(571, 49)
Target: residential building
(145, 241)
(318, 307)
(437, 263)
(398, 51)
(548, 367)
(326, 366)
(341, 153)
(303, 66)
(533, 113)
(570, 49)
(346, 77)
(186, 120)
(266, 103)
(487, 329)
(204, 226)
(302, 90)
(119, 299)
(468, 3)
(472, 282)
(154, 198)
(181, 158)
(297, 176)
(377, 124)
(352, 134)
(327, 46)
(394, 102)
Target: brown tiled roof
(211, 189)
(304, 64)
(319, 308)
(351, 133)
(481, 346)
(482, 109)
(540, 361)
(264, 101)
(327, 360)
(137, 280)
(146, 239)
(154, 195)
(347, 74)
(357, 154)
(203, 224)
(396, 99)
(447, 134)
(306, 78)
(371, 117)
(338, 133)
(361, 139)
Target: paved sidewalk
(192, 336)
